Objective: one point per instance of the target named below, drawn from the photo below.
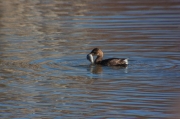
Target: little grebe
(107, 62)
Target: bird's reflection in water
(95, 69)
(98, 69)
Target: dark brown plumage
(107, 62)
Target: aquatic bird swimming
(107, 62)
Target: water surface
(44, 72)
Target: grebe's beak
(90, 58)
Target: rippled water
(44, 72)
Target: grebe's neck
(99, 57)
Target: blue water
(44, 72)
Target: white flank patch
(126, 61)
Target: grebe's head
(97, 52)
(94, 52)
